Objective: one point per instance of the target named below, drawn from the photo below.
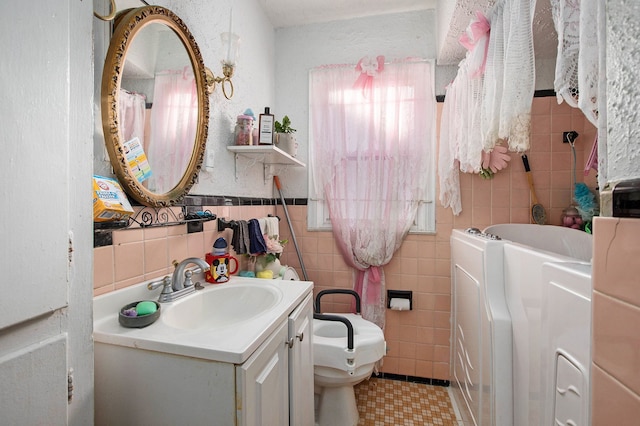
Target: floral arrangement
(274, 247)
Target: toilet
(338, 369)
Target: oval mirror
(155, 108)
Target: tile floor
(397, 403)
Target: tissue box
(109, 200)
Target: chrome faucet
(179, 284)
(181, 279)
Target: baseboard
(413, 379)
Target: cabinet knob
(289, 343)
(300, 336)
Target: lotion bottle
(266, 127)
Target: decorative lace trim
(577, 63)
(519, 133)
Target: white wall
(623, 92)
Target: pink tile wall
(142, 254)
(418, 340)
(506, 197)
(616, 317)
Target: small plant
(285, 126)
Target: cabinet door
(301, 411)
(262, 392)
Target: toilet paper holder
(400, 294)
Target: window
(384, 131)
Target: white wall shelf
(269, 155)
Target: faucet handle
(165, 283)
(187, 278)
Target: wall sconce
(232, 42)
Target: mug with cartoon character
(220, 270)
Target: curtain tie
(373, 286)
(374, 274)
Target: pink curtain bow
(368, 68)
(476, 40)
(477, 29)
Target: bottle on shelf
(266, 127)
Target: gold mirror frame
(128, 24)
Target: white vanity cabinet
(301, 365)
(276, 384)
(262, 383)
(137, 383)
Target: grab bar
(325, 317)
(337, 291)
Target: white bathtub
(558, 240)
(481, 377)
(545, 274)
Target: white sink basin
(223, 306)
(222, 322)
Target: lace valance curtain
(486, 112)
(577, 63)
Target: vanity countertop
(176, 333)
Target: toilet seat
(337, 369)
(330, 343)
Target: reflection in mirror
(159, 107)
(155, 107)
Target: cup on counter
(222, 267)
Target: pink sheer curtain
(174, 118)
(370, 156)
(132, 110)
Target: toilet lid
(290, 274)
